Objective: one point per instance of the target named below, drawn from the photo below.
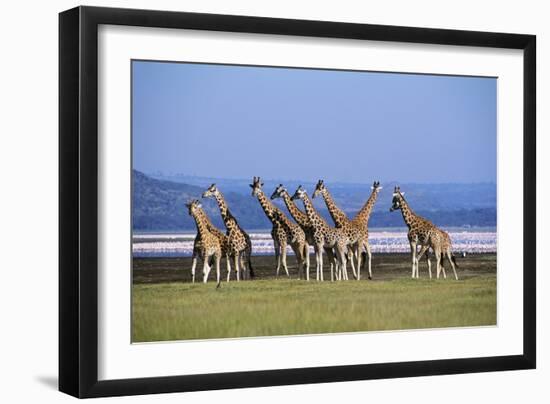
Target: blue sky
(278, 123)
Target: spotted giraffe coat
(300, 217)
(238, 241)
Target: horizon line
(450, 182)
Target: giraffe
(198, 246)
(300, 218)
(361, 221)
(239, 245)
(297, 237)
(353, 233)
(325, 237)
(424, 233)
(210, 243)
(284, 231)
(446, 247)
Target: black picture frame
(78, 201)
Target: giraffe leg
(218, 258)
(334, 268)
(193, 266)
(297, 249)
(306, 252)
(246, 275)
(344, 265)
(418, 258)
(321, 267)
(437, 253)
(337, 268)
(317, 262)
(416, 262)
(345, 261)
(205, 269)
(450, 257)
(209, 268)
(413, 254)
(345, 269)
(341, 256)
(308, 262)
(302, 261)
(330, 257)
(320, 264)
(369, 256)
(341, 260)
(277, 255)
(228, 258)
(429, 265)
(423, 250)
(283, 254)
(236, 262)
(241, 269)
(442, 253)
(248, 254)
(358, 250)
(351, 254)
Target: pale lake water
(468, 240)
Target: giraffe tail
(454, 260)
(249, 262)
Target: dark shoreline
(384, 267)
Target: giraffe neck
(202, 222)
(266, 205)
(228, 219)
(408, 214)
(336, 213)
(364, 214)
(224, 211)
(300, 217)
(312, 214)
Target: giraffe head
(279, 192)
(211, 192)
(256, 186)
(319, 188)
(397, 201)
(299, 194)
(376, 186)
(193, 206)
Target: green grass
(179, 311)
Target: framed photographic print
(250, 201)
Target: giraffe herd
(345, 243)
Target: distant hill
(159, 203)
(351, 197)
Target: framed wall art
(250, 201)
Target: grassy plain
(166, 306)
